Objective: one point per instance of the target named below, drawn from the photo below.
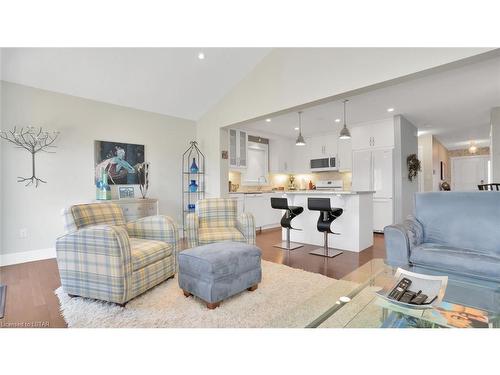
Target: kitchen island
(355, 225)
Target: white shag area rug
(287, 297)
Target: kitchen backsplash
(277, 180)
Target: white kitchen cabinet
(323, 146)
(378, 134)
(301, 156)
(280, 157)
(238, 153)
(259, 205)
(382, 214)
(373, 170)
(344, 155)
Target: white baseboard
(27, 256)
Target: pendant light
(344, 132)
(300, 139)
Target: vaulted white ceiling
(170, 81)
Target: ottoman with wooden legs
(219, 270)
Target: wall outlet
(23, 233)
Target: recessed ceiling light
(390, 109)
(337, 120)
(296, 128)
(201, 55)
(268, 120)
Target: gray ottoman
(220, 270)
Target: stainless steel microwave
(323, 165)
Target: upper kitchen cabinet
(344, 155)
(323, 146)
(280, 158)
(373, 135)
(238, 153)
(300, 157)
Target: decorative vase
(193, 186)
(194, 166)
(103, 191)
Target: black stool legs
(326, 217)
(286, 221)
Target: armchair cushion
(146, 252)
(210, 235)
(217, 213)
(84, 215)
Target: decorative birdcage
(193, 180)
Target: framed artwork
(120, 160)
(126, 192)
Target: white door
(469, 171)
(362, 170)
(382, 173)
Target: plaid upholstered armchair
(216, 220)
(103, 257)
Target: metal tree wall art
(33, 140)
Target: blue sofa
(456, 232)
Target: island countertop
(327, 192)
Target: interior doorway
(469, 171)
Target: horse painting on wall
(120, 160)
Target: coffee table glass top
(468, 303)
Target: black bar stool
(326, 217)
(286, 221)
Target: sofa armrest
(246, 225)
(400, 239)
(95, 262)
(192, 226)
(397, 245)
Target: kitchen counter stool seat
(326, 217)
(286, 221)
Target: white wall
(290, 77)
(495, 144)
(70, 171)
(406, 143)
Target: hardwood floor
(31, 301)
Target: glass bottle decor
(193, 186)
(194, 167)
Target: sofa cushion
(210, 235)
(146, 252)
(461, 219)
(470, 262)
(219, 260)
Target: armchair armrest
(159, 228)
(192, 226)
(246, 225)
(95, 262)
(400, 239)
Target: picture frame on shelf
(126, 192)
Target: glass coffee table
(468, 303)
